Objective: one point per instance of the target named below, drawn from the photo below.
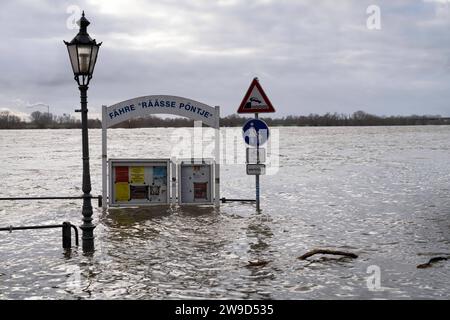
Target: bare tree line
(41, 120)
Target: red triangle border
(254, 83)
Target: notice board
(195, 182)
(139, 182)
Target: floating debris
(431, 262)
(327, 251)
(257, 263)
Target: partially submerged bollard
(66, 235)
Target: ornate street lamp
(83, 53)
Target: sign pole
(255, 101)
(257, 176)
(217, 156)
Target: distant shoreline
(357, 119)
(237, 126)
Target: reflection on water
(382, 193)
(259, 237)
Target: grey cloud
(311, 56)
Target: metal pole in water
(257, 176)
(87, 226)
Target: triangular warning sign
(255, 100)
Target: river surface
(380, 192)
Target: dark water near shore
(381, 192)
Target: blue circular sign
(255, 132)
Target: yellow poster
(137, 175)
(122, 191)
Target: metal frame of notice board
(213, 183)
(138, 189)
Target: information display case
(196, 181)
(139, 182)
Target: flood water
(380, 192)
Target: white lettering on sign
(256, 169)
(142, 106)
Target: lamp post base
(88, 238)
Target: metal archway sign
(160, 104)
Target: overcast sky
(310, 56)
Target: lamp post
(83, 51)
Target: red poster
(121, 174)
(200, 190)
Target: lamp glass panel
(93, 59)
(73, 58)
(84, 57)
